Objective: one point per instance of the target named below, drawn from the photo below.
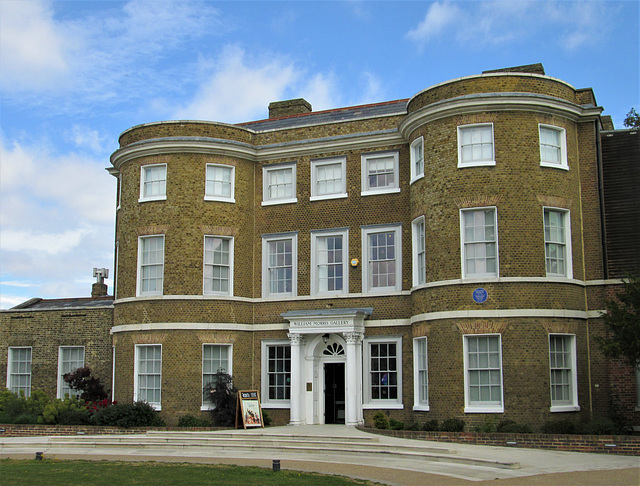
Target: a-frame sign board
(248, 411)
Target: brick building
(433, 257)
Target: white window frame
(266, 401)
(566, 221)
(564, 161)
(570, 405)
(484, 162)
(495, 406)
(137, 373)
(464, 244)
(420, 374)
(143, 179)
(417, 159)
(206, 405)
(366, 263)
(366, 159)
(208, 196)
(266, 287)
(419, 247)
(316, 165)
(139, 291)
(315, 260)
(10, 373)
(229, 265)
(63, 388)
(368, 401)
(267, 200)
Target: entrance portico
(322, 340)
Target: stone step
(264, 445)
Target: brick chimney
(298, 106)
(99, 288)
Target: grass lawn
(96, 473)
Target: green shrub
(602, 426)
(413, 426)
(137, 414)
(224, 396)
(70, 411)
(396, 424)
(512, 427)
(266, 420)
(18, 407)
(431, 425)
(25, 418)
(561, 426)
(380, 421)
(191, 421)
(452, 425)
(488, 427)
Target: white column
(297, 389)
(354, 377)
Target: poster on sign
(249, 408)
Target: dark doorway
(334, 393)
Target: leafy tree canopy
(633, 119)
(622, 320)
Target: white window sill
(554, 166)
(207, 408)
(381, 290)
(217, 294)
(421, 408)
(479, 276)
(328, 196)
(479, 163)
(484, 409)
(279, 201)
(564, 408)
(417, 178)
(283, 404)
(391, 190)
(220, 199)
(149, 199)
(149, 294)
(382, 405)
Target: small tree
(223, 395)
(633, 119)
(622, 320)
(90, 386)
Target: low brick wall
(628, 445)
(19, 430)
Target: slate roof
(61, 304)
(398, 107)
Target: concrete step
(259, 444)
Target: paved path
(537, 467)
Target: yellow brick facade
(523, 308)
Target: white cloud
(321, 92)
(52, 244)
(33, 48)
(502, 22)
(239, 88)
(87, 138)
(47, 190)
(439, 16)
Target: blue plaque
(480, 295)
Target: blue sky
(75, 74)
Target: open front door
(334, 393)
